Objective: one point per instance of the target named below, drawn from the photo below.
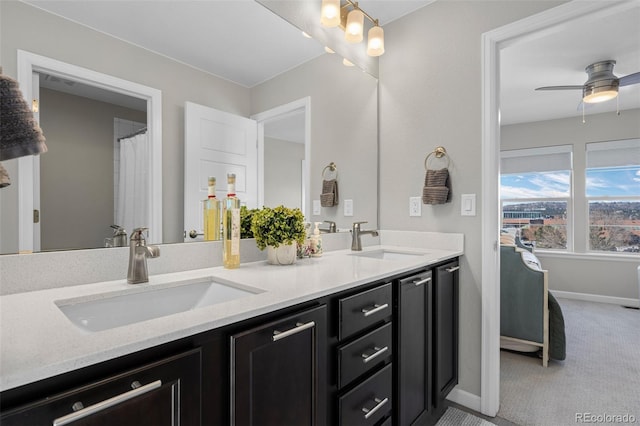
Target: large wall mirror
(342, 127)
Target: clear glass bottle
(212, 213)
(231, 226)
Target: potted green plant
(279, 229)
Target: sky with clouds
(612, 182)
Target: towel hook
(332, 167)
(439, 152)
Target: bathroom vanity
(365, 338)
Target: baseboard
(464, 398)
(623, 301)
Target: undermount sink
(111, 310)
(385, 254)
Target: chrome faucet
(356, 232)
(138, 253)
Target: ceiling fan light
(600, 92)
(375, 43)
(355, 26)
(330, 13)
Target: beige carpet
(600, 378)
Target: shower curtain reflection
(132, 189)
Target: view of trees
(613, 226)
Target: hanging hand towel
(329, 194)
(20, 134)
(437, 187)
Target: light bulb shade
(347, 63)
(330, 13)
(375, 43)
(354, 28)
(600, 91)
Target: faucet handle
(137, 233)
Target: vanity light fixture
(350, 17)
(329, 50)
(347, 63)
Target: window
(535, 194)
(613, 195)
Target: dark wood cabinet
(278, 371)
(166, 392)
(381, 353)
(446, 328)
(413, 325)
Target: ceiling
(558, 57)
(242, 41)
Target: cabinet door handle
(452, 269)
(378, 351)
(277, 335)
(420, 282)
(379, 403)
(376, 308)
(103, 405)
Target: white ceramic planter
(284, 254)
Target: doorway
(492, 43)
(29, 67)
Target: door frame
(29, 166)
(278, 112)
(548, 21)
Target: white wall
(430, 94)
(582, 274)
(344, 108)
(27, 28)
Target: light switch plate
(468, 205)
(316, 208)
(348, 207)
(415, 208)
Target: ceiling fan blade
(630, 79)
(560, 88)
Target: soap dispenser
(316, 241)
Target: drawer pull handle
(452, 269)
(376, 308)
(277, 335)
(420, 282)
(379, 403)
(378, 351)
(103, 405)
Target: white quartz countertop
(38, 341)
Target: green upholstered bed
(530, 317)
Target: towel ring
(439, 152)
(332, 167)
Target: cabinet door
(163, 393)
(278, 372)
(446, 328)
(413, 324)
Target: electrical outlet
(415, 208)
(317, 211)
(348, 207)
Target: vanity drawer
(368, 402)
(364, 309)
(363, 354)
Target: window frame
(601, 146)
(569, 200)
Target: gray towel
(329, 195)
(20, 134)
(437, 187)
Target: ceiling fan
(602, 84)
